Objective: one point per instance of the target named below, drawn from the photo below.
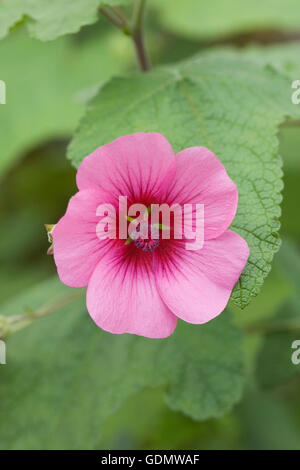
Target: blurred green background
(48, 85)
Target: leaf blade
(50, 20)
(66, 372)
(199, 103)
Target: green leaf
(209, 19)
(45, 83)
(229, 104)
(284, 57)
(50, 19)
(64, 376)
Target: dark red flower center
(146, 237)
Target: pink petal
(196, 285)
(122, 296)
(202, 179)
(133, 166)
(77, 249)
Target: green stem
(139, 36)
(123, 18)
(135, 30)
(13, 323)
(112, 17)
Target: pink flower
(133, 288)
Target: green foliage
(288, 259)
(268, 424)
(275, 366)
(84, 374)
(210, 19)
(289, 149)
(274, 362)
(229, 104)
(50, 19)
(67, 384)
(145, 422)
(45, 84)
(275, 291)
(285, 57)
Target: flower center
(146, 237)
